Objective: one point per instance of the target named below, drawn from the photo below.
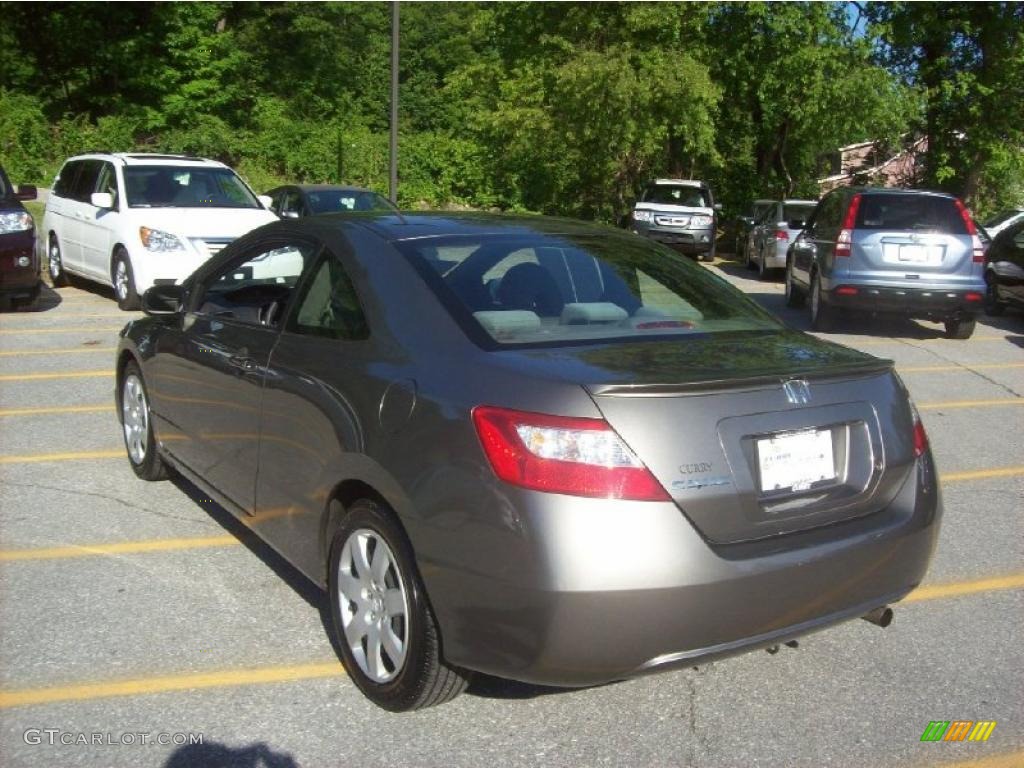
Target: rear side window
(919, 213)
(330, 306)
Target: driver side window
(256, 287)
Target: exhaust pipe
(881, 617)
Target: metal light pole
(393, 184)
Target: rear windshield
(169, 186)
(334, 200)
(919, 213)
(669, 194)
(546, 289)
(796, 212)
(1001, 218)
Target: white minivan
(132, 220)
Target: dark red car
(19, 265)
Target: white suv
(132, 220)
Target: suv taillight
(977, 249)
(845, 239)
(781, 234)
(561, 454)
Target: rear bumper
(910, 302)
(621, 590)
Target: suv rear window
(673, 194)
(910, 212)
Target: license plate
(795, 460)
(915, 254)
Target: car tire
(994, 306)
(137, 427)
(123, 278)
(823, 317)
(709, 255)
(747, 260)
(794, 295)
(960, 327)
(55, 264)
(30, 303)
(364, 603)
(762, 268)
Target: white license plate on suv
(920, 254)
(796, 460)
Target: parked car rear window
(541, 289)
(916, 212)
(671, 194)
(333, 200)
(797, 212)
(169, 186)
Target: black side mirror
(26, 192)
(163, 300)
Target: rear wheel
(58, 276)
(960, 327)
(994, 305)
(124, 281)
(137, 426)
(747, 260)
(382, 621)
(823, 317)
(762, 268)
(794, 295)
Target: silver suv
(680, 213)
(894, 251)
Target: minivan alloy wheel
(121, 280)
(55, 265)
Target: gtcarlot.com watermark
(54, 737)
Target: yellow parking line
(62, 315)
(73, 329)
(73, 350)
(981, 474)
(118, 548)
(70, 456)
(966, 367)
(959, 588)
(1005, 760)
(55, 409)
(59, 375)
(970, 403)
(148, 685)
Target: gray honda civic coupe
(528, 447)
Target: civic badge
(798, 391)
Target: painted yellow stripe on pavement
(71, 351)
(72, 329)
(960, 588)
(62, 315)
(118, 548)
(965, 367)
(56, 409)
(149, 685)
(1006, 760)
(36, 458)
(970, 403)
(980, 474)
(58, 375)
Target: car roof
(896, 191)
(150, 158)
(397, 227)
(681, 182)
(797, 201)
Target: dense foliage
(556, 107)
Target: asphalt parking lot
(139, 613)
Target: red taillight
(920, 436)
(781, 234)
(845, 240)
(973, 296)
(561, 454)
(846, 290)
(977, 249)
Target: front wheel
(382, 622)
(58, 276)
(124, 281)
(137, 425)
(960, 327)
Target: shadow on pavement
(214, 755)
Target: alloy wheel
(55, 265)
(374, 605)
(135, 416)
(121, 280)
